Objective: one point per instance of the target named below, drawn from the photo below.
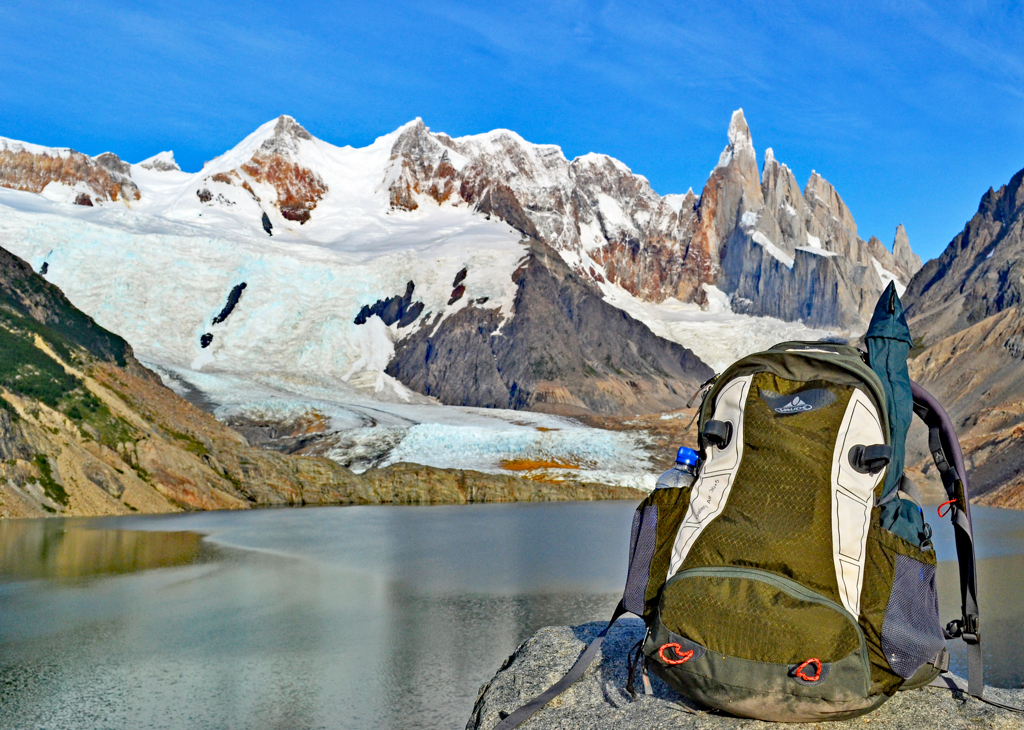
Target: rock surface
(599, 700)
(33, 168)
(978, 376)
(964, 308)
(565, 351)
(980, 273)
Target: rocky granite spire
(906, 259)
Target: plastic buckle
(970, 629)
(966, 628)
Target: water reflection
(348, 618)
(68, 549)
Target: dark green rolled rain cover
(889, 341)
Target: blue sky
(911, 109)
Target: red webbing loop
(684, 656)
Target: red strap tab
(948, 502)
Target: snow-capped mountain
(445, 264)
(774, 250)
(291, 277)
(288, 257)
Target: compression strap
(948, 457)
(585, 660)
(947, 682)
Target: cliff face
(978, 375)
(981, 271)
(798, 255)
(965, 309)
(74, 177)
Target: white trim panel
(852, 497)
(711, 492)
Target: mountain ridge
(414, 208)
(604, 219)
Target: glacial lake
(349, 617)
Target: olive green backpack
(794, 580)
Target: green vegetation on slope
(26, 296)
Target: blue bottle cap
(686, 456)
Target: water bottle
(683, 474)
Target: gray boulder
(599, 700)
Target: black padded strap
(585, 660)
(949, 459)
(947, 682)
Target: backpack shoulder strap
(945, 449)
(587, 658)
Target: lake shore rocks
(599, 700)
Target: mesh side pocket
(911, 632)
(643, 539)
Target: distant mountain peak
(741, 144)
(904, 255)
(162, 162)
(739, 132)
(284, 139)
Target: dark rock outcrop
(565, 350)
(399, 309)
(233, 296)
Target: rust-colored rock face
(22, 169)
(298, 188)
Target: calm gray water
(354, 617)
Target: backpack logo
(795, 406)
(805, 400)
